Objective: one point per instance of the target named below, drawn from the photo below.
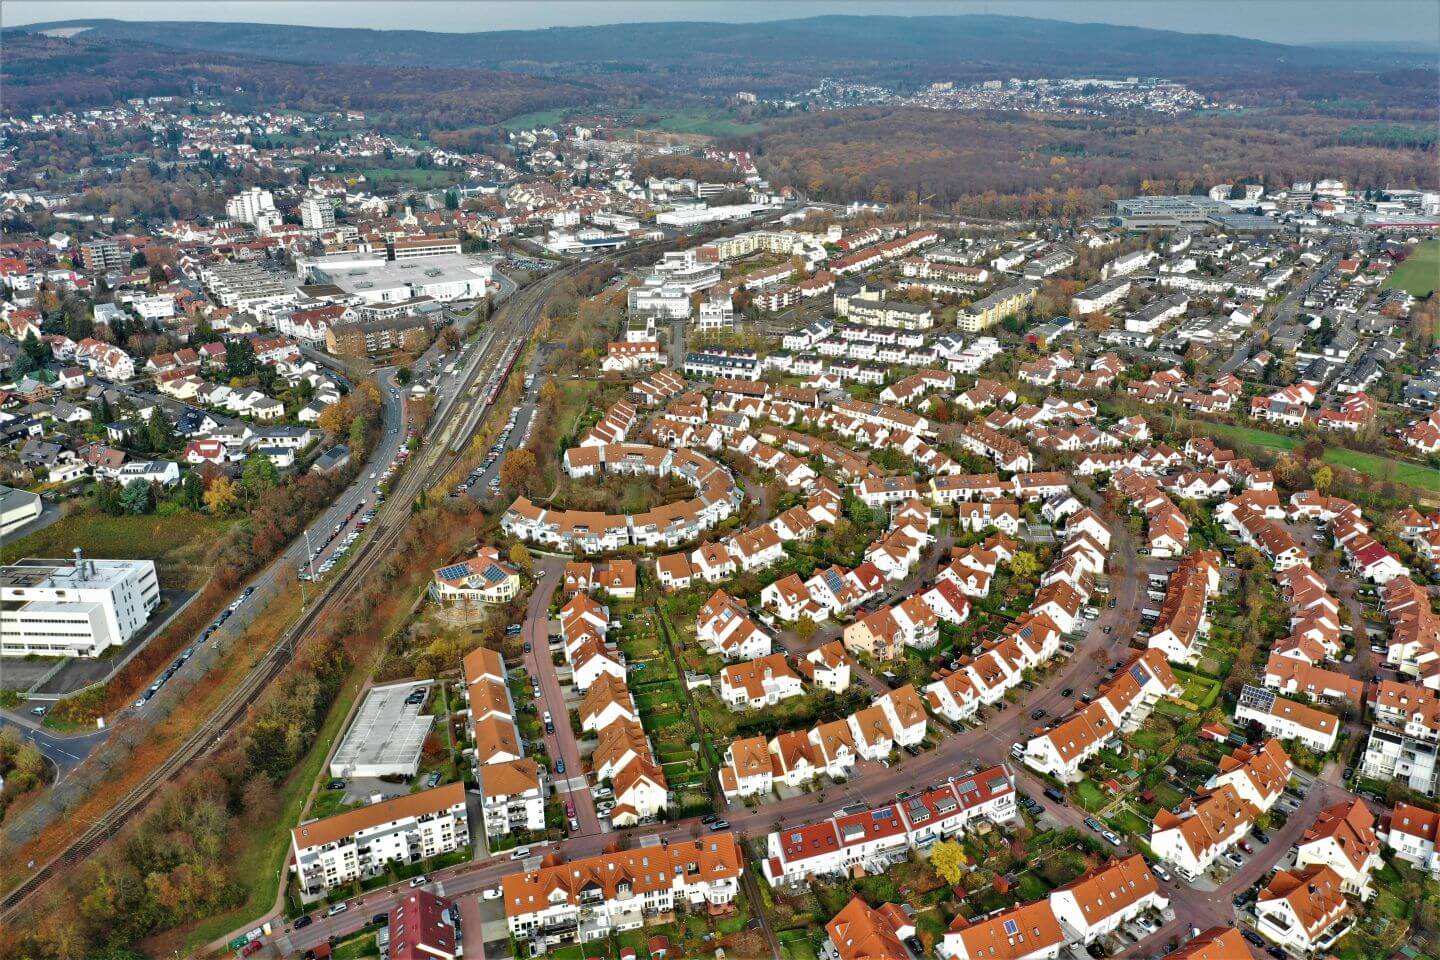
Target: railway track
(514, 323)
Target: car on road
(1068, 692)
(302, 922)
(381, 920)
(520, 853)
(1252, 937)
(38, 711)
(1037, 713)
(1055, 795)
(719, 825)
(1093, 824)
(709, 818)
(574, 825)
(419, 881)
(1244, 845)
(337, 909)
(1107, 629)
(1114, 840)
(1160, 872)
(1260, 835)
(559, 766)
(526, 647)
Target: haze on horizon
(1383, 21)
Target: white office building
(74, 608)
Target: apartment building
(1184, 622)
(358, 844)
(74, 608)
(512, 797)
(589, 899)
(1404, 743)
(986, 312)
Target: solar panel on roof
(493, 574)
(1138, 674)
(1011, 927)
(966, 786)
(832, 580)
(455, 571)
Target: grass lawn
(1414, 475)
(537, 118)
(1090, 796)
(706, 124)
(178, 544)
(1420, 273)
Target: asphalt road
(572, 785)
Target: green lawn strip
(1089, 795)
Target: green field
(178, 544)
(705, 124)
(417, 177)
(539, 118)
(1420, 273)
(1414, 475)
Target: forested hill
(41, 73)
(776, 55)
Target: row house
(873, 838)
(724, 626)
(596, 897)
(1122, 704)
(1410, 833)
(1079, 913)
(1183, 624)
(1343, 838)
(1288, 719)
(1304, 910)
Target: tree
(517, 470)
(221, 496)
(159, 436)
(403, 376)
(520, 557)
(240, 358)
(137, 498)
(805, 627)
(21, 365)
(1322, 478)
(258, 474)
(948, 862)
(1024, 564)
(191, 492)
(358, 436)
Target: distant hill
(770, 56)
(55, 73)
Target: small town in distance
(608, 519)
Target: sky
(1284, 21)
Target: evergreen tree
(137, 498)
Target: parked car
(1244, 845)
(559, 766)
(1234, 858)
(337, 909)
(1260, 835)
(490, 893)
(302, 922)
(520, 853)
(1037, 713)
(719, 825)
(1055, 795)
(1114, 840)
(1160, 872)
